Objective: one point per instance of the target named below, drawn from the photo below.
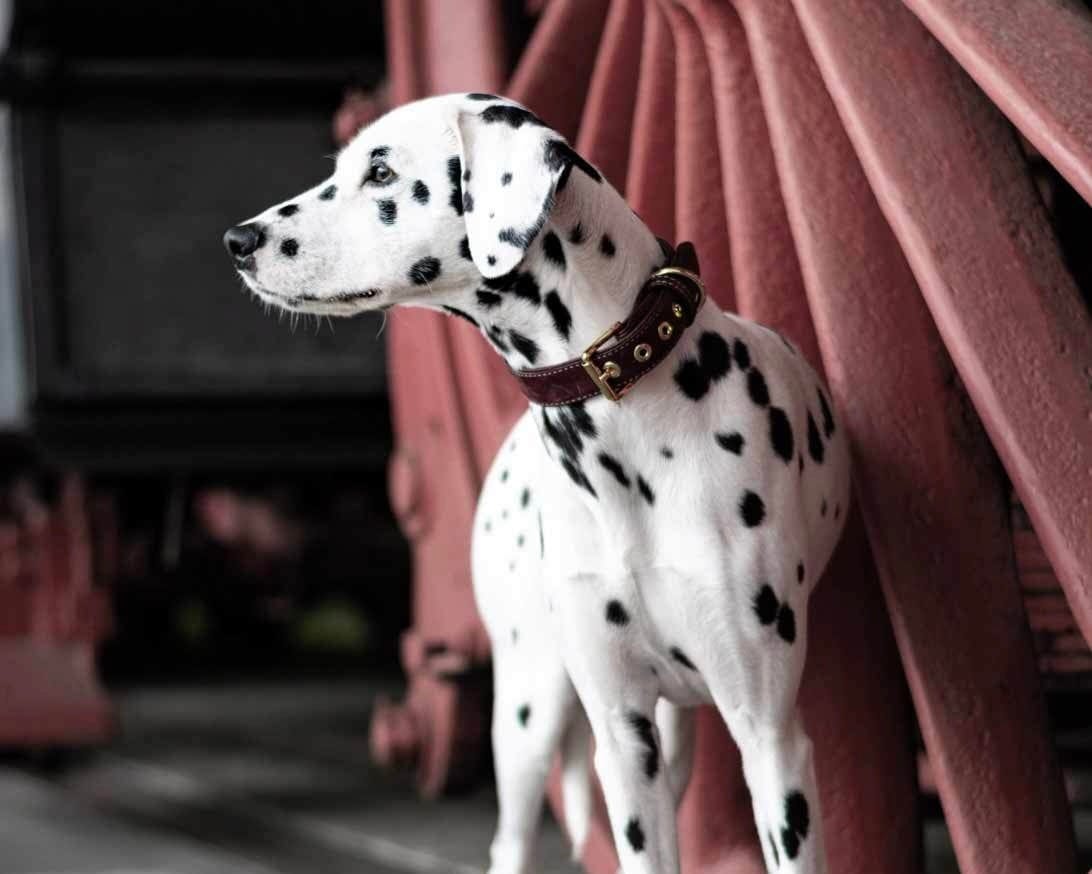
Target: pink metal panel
(699, 194)
(932, 501)
(650, 181)
(608, 113)
(553, 74)
(1034, 59)
(956, 191)
(854, 699)
(54, 613)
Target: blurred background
(202, 583)
(236, 632)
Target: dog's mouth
(342, 303)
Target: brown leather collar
(666, 305)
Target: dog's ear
(511, 167)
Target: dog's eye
(380, 174)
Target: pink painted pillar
(951, 182)
(1034, 60)
(932, 501)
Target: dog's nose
(244, 240)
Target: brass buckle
(686, 274)
(610, 369)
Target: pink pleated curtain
(849, 172)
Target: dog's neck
(556, 303)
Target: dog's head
(430, 197)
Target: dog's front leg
(619, 695)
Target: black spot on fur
(797, 823)
(504, 475)
(290, 247)
(742, 354)
(815, 442)
(667, 452)
(773, 849)
(582, 420)
(714, 362)
(766, 605)
(576, 235)
(781, 433)
(424, 271)
(692, 379)
(477, 95)
(731, 442)
(713, 355)
(524, 714)
(563, 319)
(786, 623)
(506, 179)
(525, 498)
(751, 509)
(513, 116)
(681, 657)
(577, 475)
(526, 347)
(606, 246)
(769, 610)
(464, 249)
(328, 193)
(520, 541)
(468, 202)
(388, 211)
(616, 613)
(462, 315)
(558, 154)
(288, 209)
(800, 572)
(541, 537)
(551, 246)
(642, 725)
(518, 282)
(797, 815)
(496, 335)
(828, 416)
(492, 259)
(487, 299)
(756, 387)
(646, 490)
(614, 467)
(519, 239)
(420, 192)
(635, 835)
(466, 175)
(454, 171)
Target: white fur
(664, 537)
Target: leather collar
(666, 305)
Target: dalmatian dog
(631, 559)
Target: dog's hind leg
(777, 762)
(576, 780)
(677, 728)
(532, 706)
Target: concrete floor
(260, 779)
(256, 779)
